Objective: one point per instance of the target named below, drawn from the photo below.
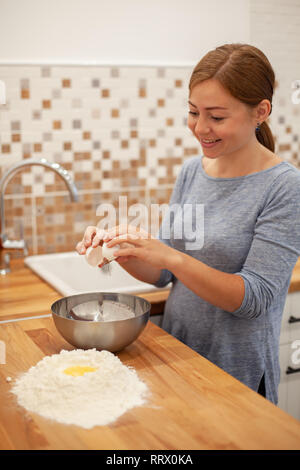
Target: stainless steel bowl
(109, 335)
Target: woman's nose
(201, 128)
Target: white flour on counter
(104, 392)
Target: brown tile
(105, 93)
(169, 121)
(86, 135)
(16, 138)
(160, 102)
(190, 151)
(25, 94)
(178, 83)
(134, 134)
(67, 145)
(124, 144)
(284, 147)
(106, 154)
(5, 148)
(114, 113)
(142, 93)
(68, 166)
(78, 156)
(66, 83)
(56, 125)
(142, 157)
(46, 104)
(37, 147)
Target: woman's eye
(192, 113)
(217, 118)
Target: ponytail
(265, 136)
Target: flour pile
(94, 398)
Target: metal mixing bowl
(109, 335)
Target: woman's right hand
(92, 236)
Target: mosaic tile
(19, 214)
(68, 221)
(113, 128)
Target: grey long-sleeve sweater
(251, 228)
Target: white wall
(275, 28)
(164, 32)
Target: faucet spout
(58, 169)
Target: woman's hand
(92, 237)
(142, 246)
(140, 255)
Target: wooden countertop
(23, 293)
(192, 405)
(295, 280)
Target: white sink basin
(70, 274)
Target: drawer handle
(293, 319)
(290, 370)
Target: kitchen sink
(69, 274)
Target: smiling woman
(247, 75)
(228, 294)
(229, 130)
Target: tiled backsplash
(119, 131)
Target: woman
(228, 295)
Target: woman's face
(222, 124)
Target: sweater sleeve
(166, 276)
(275, 247)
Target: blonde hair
(246, 73)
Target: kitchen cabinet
(289, 355)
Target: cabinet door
(289, 388)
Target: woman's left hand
(149, 250)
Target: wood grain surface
(192, 404)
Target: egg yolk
(76, 371)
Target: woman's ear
(262, 111)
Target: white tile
(27, 179)
(106, 184)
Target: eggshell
(108, 253)
(94, 255)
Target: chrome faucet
(5, 243)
